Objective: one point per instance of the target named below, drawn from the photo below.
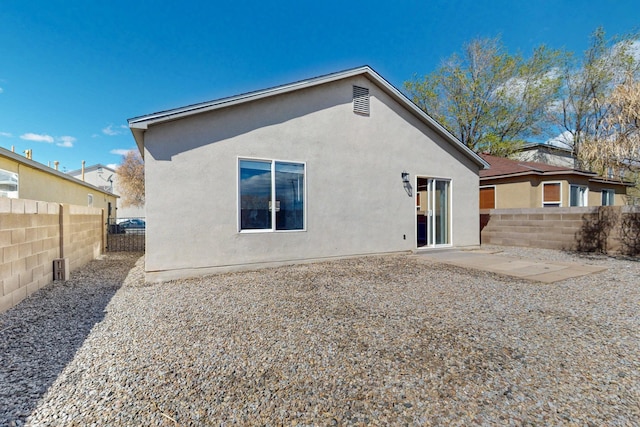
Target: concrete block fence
(608, 229)
(33, 234)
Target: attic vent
(361, 100)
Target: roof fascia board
(610, 182)
(569, 172)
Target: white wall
(101, 179)
(356, 203)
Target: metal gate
(126, 234)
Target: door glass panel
(441, 212)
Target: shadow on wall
(41, 335)
(594, 233)
(630, 234)
(610, 230)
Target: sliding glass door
(433, 201)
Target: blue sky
(72, 72)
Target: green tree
(131, 179)
(489, 99)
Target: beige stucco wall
(36, 184)
(355, 199)
(526, 192)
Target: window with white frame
(608, 197)
(577, 195)
(90, 200)
(8, 184)
(551, 194)
(271, 195)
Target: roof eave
(540, 173)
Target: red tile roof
(501, 166)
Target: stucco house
(106, 178)
(334, 166)
(521, 184)
(24, 178)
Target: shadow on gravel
(41, 335)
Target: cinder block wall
(86, 235)
(604, 229)
(33, 234)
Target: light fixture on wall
(406, 183)
(405, 177)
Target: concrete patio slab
(539, 271)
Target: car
(133, 225)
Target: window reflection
(259, 187)
(290, 195)
(8, 184)
(255, 195)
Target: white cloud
(112, 166)
(120, 151)
(109, 130)
(6, 134)
(113, 130)
(564, 140)
(65, 141)
(37, 137)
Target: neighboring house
(26, 179)
(519, 184)
(321, 168)
(545, 153)
(106, 178)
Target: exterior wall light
(405, 177)
(406, 183)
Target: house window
(551, 194)
(272, 195)
(577, 195)
(608, 197)
(488, 197)
(8, 184)
(90, 200)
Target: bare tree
(615, 147)
(131, 179)
(588, 81)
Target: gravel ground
(389, 340)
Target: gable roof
(545, 146)
(502, 167)
(139, 125)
